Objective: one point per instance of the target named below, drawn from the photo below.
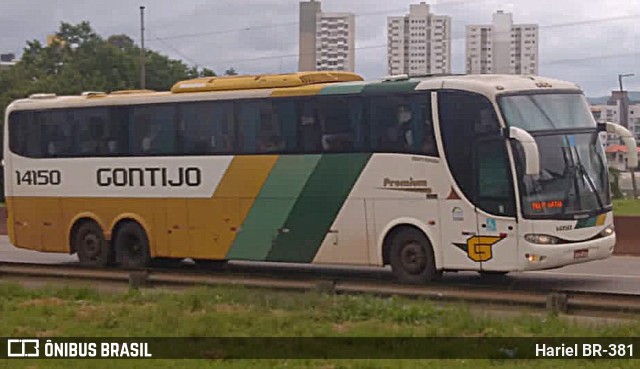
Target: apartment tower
(419, 43)
(327, 40)
(502, 47)
(309, 11)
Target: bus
(487, 173)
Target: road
(618, 274)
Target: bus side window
(197, 128)
(269, 131)
(117, 136)
(224, 123)
(92, 131)
(286, 114)
(58, 131)
(207, 128)
(24, 135)
(391, 119)
(421, 134)
(310, 132)
(260, 131)
(154, 130)
(335, 121)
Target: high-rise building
(335, 42)
(327, 40)
(419, 43)
(502, 47)
(309, 11)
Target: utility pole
(624, 114)
(143, 72)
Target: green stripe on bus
(317, 207)
(390, 87)
(340, 88)
(273, 205)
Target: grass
(626, 207)
(245, 312)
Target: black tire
(132, 246)
(412, 259)
(91, 246)
(217, 265)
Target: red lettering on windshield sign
(541, 205)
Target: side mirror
(531, 153)
(629, 141)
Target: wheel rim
(413, 257)
(91, 246)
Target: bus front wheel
(412, 259)
(132, 246)
(91, 246)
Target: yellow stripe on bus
(215, 222)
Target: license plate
(581, 254)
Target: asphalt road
(618, 274)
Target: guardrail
(568, 302)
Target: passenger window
(117, 135)
(338, 117)
(92, 132)
(154, 130)
(58, 132)
(396, 124)
(260, 131)
(310, 132)
(207, 128)
(425, 140)
(24, 135)
(286, 113)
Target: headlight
(608, 231)
(542, 239)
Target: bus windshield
(573, 179)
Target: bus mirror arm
(531, 153)
(629, 141)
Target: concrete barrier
(628, 235)
(627, 231)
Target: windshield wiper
(589, 180)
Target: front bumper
(537, 257)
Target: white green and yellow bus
(489, 173)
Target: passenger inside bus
(398, 136)
(335, 126)
(309, 129)
(429, 141)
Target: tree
(230, 72)
(206, 72)
(80, 60)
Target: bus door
(478, 215)
(497, 242)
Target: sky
(588, 42)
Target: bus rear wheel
(411, 258)
(91, 246)
(132, 246)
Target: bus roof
(298, 84)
